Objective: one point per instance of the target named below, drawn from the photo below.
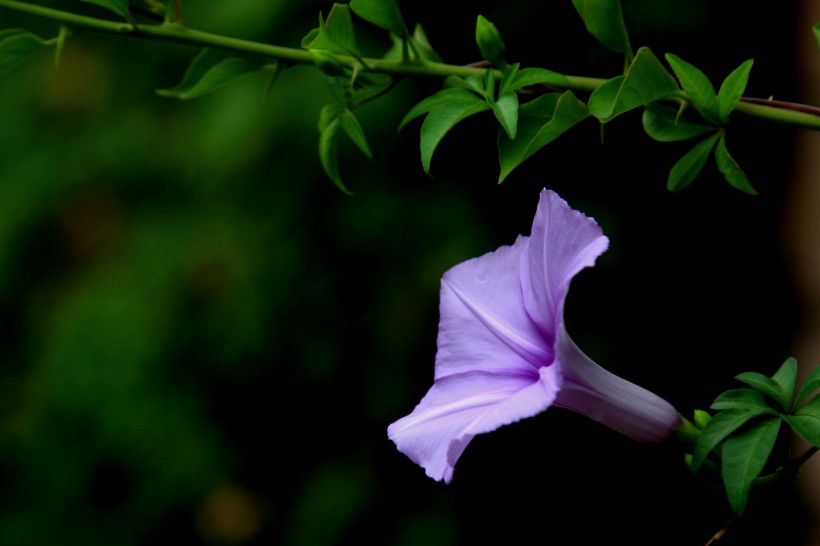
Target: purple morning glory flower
(504, 354)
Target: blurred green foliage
(160, 261)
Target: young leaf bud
(489, 41)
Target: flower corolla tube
(504, 353)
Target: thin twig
(722, 531)
(797, 107)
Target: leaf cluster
(335, 37)
(524, 126)
(331, 47)
(645, 83)
(533, 106)
(664, 124)
(739, 440)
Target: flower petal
(611, 400)
(504, 354)
(484, 325)
(460, 406)
(563, 242)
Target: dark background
(203, 341)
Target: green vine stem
(788, 113)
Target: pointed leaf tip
(329, 153)
(209, 70)
(605, 21)
(664, 125)
(441, 119)
(334, 34)
(810, 385)
(687, 168)
(354, 130)
(540, 122)
(645, 82)
(731, 170)
(333, 117)
(382, 13)
(732, 89)
(489, 41)
(506, 112)
(786, 378)
(806, 422)
(700, 89)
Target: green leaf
(810, 384)
(333, 117)
(786, 377)
(15, 45)
(663, 124)
(436, 100)
(645, 81)
(507, 77)
(816, 29)
(602, 100)
(698, 86)
(604, 20)
(489, 41)
(718, 428)
(536, 76)
(443, 118)
(489, 84)
(473, 83)
(745, 399)
(209, 70)
(806, 422)
(762, 384)
(329, 153)
(688, 167)
(329, 113)
(506, 112)
(732, 89)
(539, 122)
(120, 7)
(338, 30)
(335, 34)
(420, 44)
(744, 457)
(731, 170)
(382, 13)
(351, 126)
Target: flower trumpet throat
(504, 353)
